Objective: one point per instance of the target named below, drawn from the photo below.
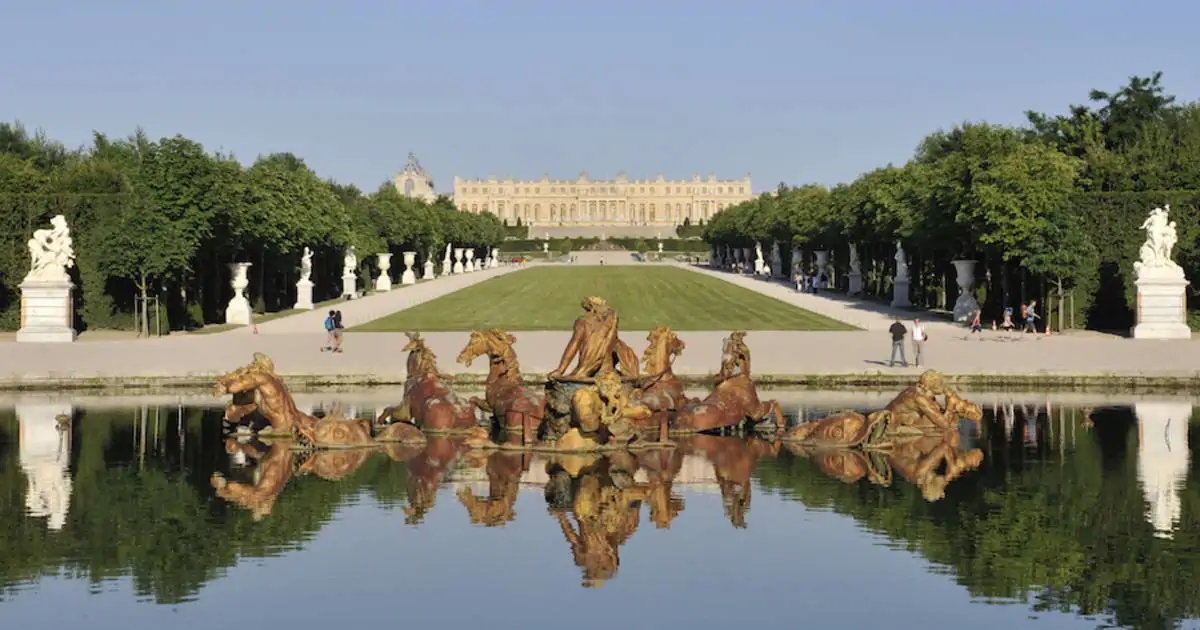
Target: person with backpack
(337, 331)
(330, 326)
(1029, 313)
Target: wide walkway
(371, 307)
(864, 314)
(295, 342)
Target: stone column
(44, 453)
(1163, 460)
(238, 311)
(408, 277)
(966, 304)
(458, 258)
(384, 281)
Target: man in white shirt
(918, 337)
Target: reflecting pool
(119, 512)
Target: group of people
(899, 332)
(811, 283)
(333, 332)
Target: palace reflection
(1063, 499)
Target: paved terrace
(294, 343)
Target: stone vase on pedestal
(492, 262)
(304, 293)
(238, 311)
(966, 304)
(384, 281)
(408, 277)
(458, 258)
(470, 266)
(47, 312)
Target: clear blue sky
(787, 91)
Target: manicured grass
(547, 298)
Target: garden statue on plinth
(47, 309)
(428, 271)
(759, 262)
(384, 282)
(900, 282)
(855, 275)
(734, 401)
(304, 286)
(349, 274)
(447, 263)
(238, 310)
(593, 405)
(776, 260)
(428, 402)
(517, 407)
(1161, 285)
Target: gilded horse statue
(518, 407)
(734, 400)
(428, 402)
(257, 388)
(661, 391)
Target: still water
(1084, 513)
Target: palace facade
(584, 202)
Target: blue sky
(787, 91)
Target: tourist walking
(977, 324)
(918, 337)
(898, 331)
(1030, 318)
(330, 325)
(337, 331)
(1007, 325)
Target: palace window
(651, 190)
(475, 208)
(741, 190)
(642, 190)
(721, 190)
(537, 191)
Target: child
(1007, 325)
(977, 324)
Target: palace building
(584, 206)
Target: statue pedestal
(304, 290)
(900, 293)
(428, 275)
(47, 312)
(1161, 305)
(350, 286)
(855, 286)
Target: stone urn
(408, 277)
(238, 310)
(965, 305)
(492, 262)
(458, 260)
(384, 281)
(470, 266)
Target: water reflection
(1062, 506)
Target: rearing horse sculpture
(734, 400)
(511, 402)
(428, 401)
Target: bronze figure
(734, 399)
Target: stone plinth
(428, 275)
(1161, 305)
(855, 283)
(900, 293)
(349, 286)
(304, 293)
(47, 312)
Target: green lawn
(547, 298)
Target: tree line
(1050, 209)
(163, 219)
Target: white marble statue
(901, 263)
(855, 265)
(306, 265)
(51, 252)
(350, 262)
(1161, 238)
